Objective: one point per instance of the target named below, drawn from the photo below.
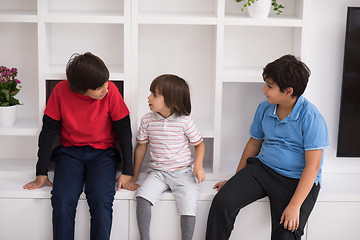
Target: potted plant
(261, 8)
(9, 87)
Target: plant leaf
(6, 94)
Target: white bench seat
(334, 216)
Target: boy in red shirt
(89, 114)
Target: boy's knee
(64, 202)
(100, 195)
(220, 200)
(284, 234)
(100, 200)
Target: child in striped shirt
(168, 130)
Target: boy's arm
(47, 137)
(199, 171)
(122, 129)
(251, 149)
(290, 216)
(139, 156)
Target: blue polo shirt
(286, 141)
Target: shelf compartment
(18, 147)
(240, 101)
(206, 128)
(293, 11)
(201, 12)
(183, 50)
(18, 11)
(103, 40)
(85, 8)
(21, 53)
(242, 74)
(209, 156)
(254, 47)
(24, 168)
(22, 127)
(198, 8)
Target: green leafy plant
(276, 7)
(9, 86)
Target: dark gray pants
(254, 182)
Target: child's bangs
(156, 86)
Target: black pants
(254, 182)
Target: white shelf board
(117, 76)
(276, 21)
(85, 13)
(238, 74)
(12, 187)
(14, 173)
(22, 127)
(18, 16)
(69, 18)
(162, 18)
(55, 76)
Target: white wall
(326, 37)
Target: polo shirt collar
(157, 116)
(295, 113)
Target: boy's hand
(219, 185)
(39, 182)
(125, 182)
(199, 173)
(290, 217)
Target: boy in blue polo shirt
(282, 159)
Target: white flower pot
(7, 116)
(259, 9)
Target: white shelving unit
(210, 43)
(244, 47)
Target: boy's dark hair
(288, 71)
(86, 71)
(175, 91)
